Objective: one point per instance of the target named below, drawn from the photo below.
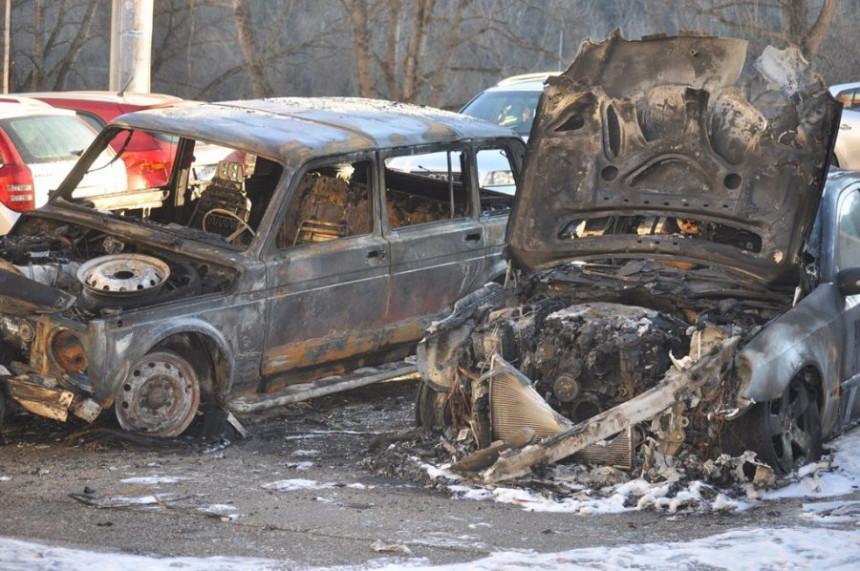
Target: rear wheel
(786, 432)
(160, 396)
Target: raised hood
(658, 148)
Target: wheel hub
(159, 397)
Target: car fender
(807, 335)
(132, 345)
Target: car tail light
(16, 188)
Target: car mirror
(848, 281)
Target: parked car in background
(303, 261)
(846, 151)
(510, 103)
(38, 147)
(146, 157)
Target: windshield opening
(216, 192)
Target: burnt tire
(431, 407)
(786, 432)
(160, 396)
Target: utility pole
(131, 45)
(7, 44)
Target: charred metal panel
(663, 127)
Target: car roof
(136, 99)
(14, 106)
(295, 129)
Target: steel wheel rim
(159, 397)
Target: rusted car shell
(228, 329)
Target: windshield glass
(49, 138)
(212, 192)
(512, 109)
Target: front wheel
(160, 396)
(786, 432)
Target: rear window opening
(217, 190)
(686, 228)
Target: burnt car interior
(427, 189)
(217, 190)
(330, 202)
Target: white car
(39, 145)
(846, 151)
(510, 103)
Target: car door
(437, 241)
(327, 269)
(847, 255)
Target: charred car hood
(658, 148)
(22, 296)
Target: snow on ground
(16, 554)
(748, 548)
(294, 484)
(838, 476)
(817, 482)
(152, 480)
(777, 548)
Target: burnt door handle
(376, 254)
(473, 237)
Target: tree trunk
(814, 38)
(38, 46)
(245, 33)
(413, 51)
(357, 10)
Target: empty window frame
(496, 180)
(427, 187)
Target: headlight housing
(68, 352)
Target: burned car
(290, 254)
(682, 280)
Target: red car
(147, 158)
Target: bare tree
(250, 52)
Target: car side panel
(810, 334)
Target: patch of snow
(817, 481)
(305, 453)
(304, 465)
(5, 478)
(224, 511)
(833, 512)
(16, 554)
(153, 480)
(779, 548)
(633, 495)
(294, 484)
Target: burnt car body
(679, 285)
(302, 257)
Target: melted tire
(786, 432)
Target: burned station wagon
(679, 287)
(296, 240)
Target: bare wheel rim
(160, 396)
(791, 430)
